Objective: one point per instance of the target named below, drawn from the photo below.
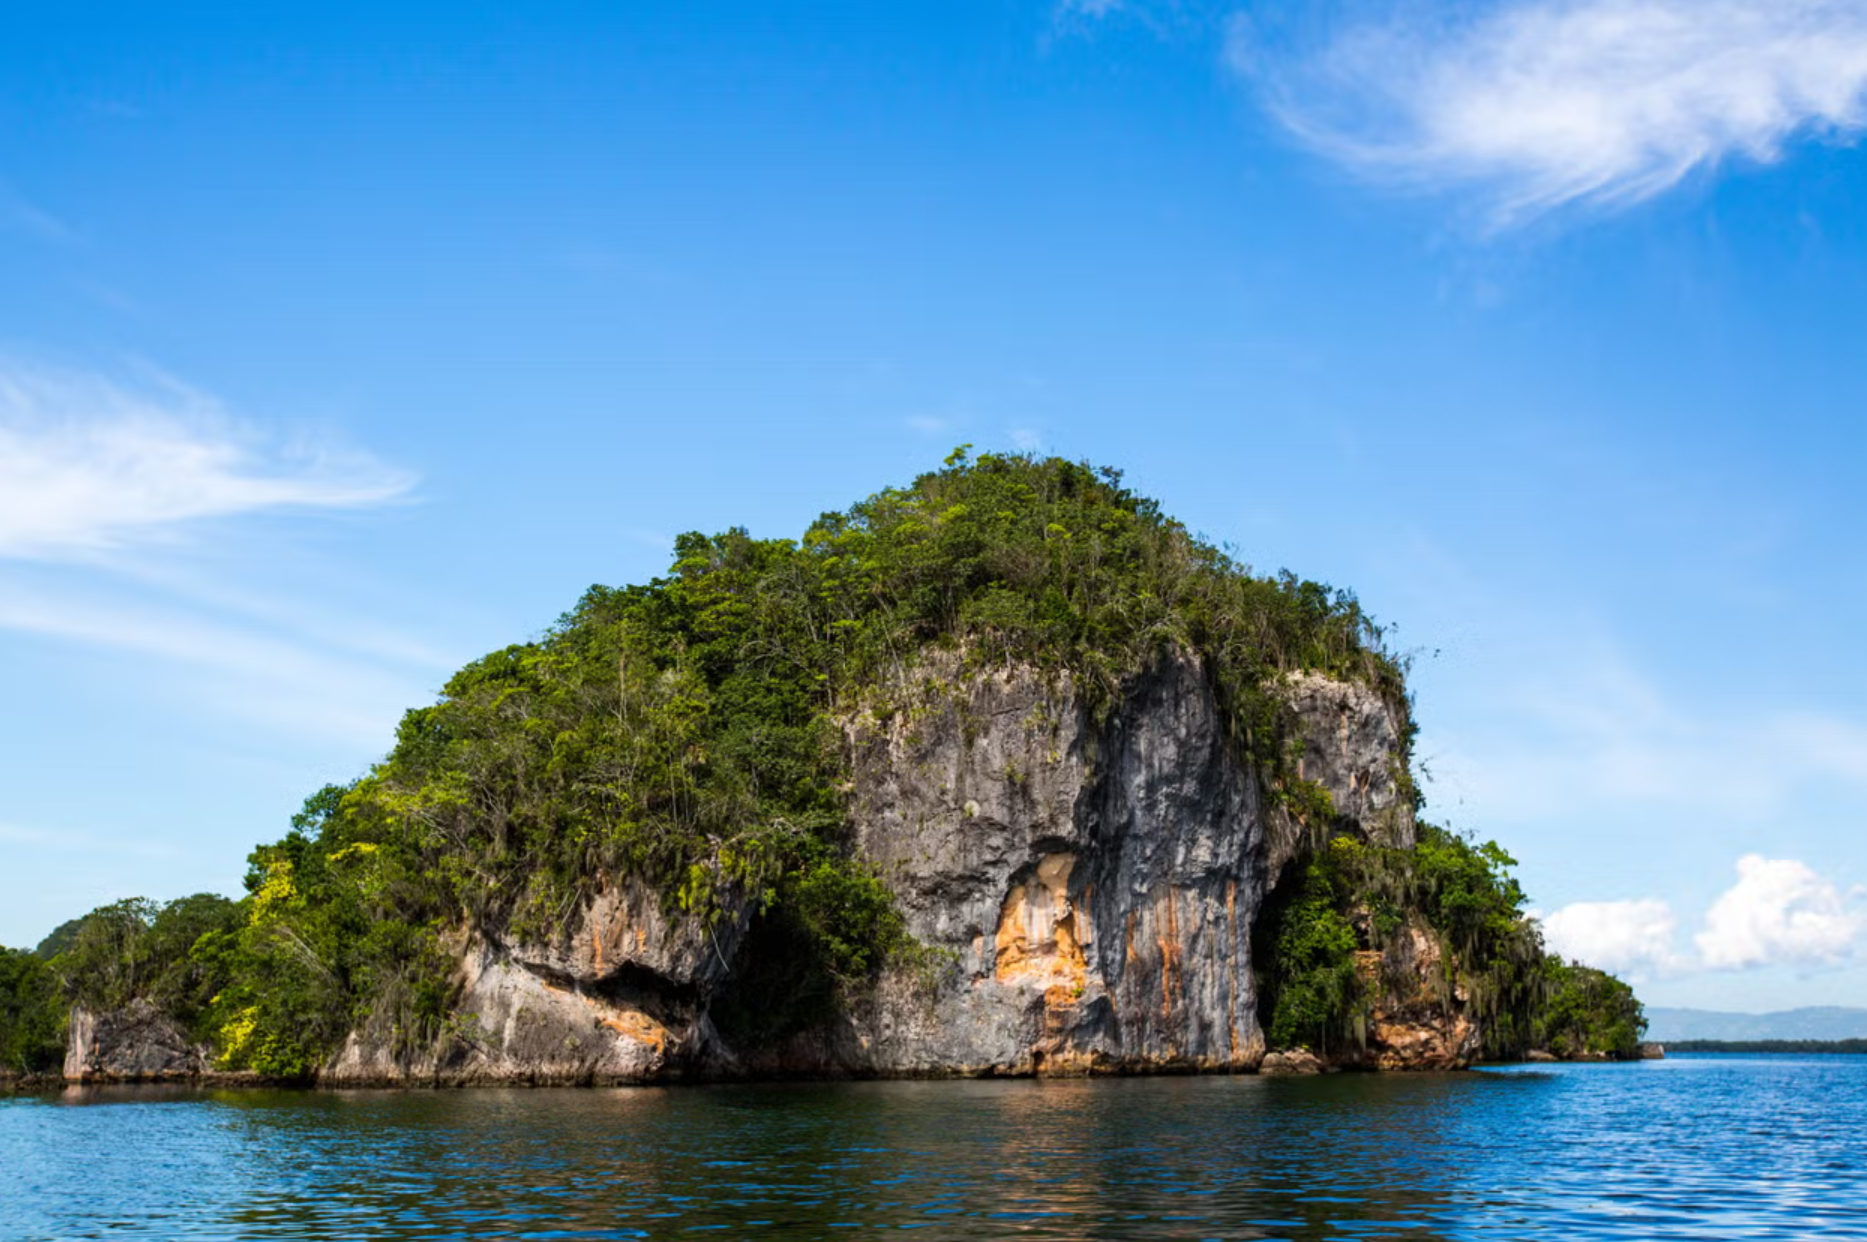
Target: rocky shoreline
(1295, 1063)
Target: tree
(31, 1015)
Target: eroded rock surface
(517, 1025)
(620, 997)
(1352, 746)
(1419, 1022)
(1084, 884)
(624, 936)
(138, 1043)
(1089, 885)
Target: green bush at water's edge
(687, 731)
(1355, 896)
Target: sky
(340, 344)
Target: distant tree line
(1845, 1047)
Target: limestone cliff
(138, 1043)
(1084, 886)
(620, 998)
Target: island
(1002, 772)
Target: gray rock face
(519, 1024)
(1351, 746)
(1091, 885)
(138, 1043)
(1084, 885)
(622, 934)
(619, 998)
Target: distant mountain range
(1822, 1022)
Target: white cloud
(87, 464)
(1780, 912)
(119, 513)
(1543, 103)
(318, 686)
(1161, 18)
(1632, 938)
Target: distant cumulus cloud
(88, 464)
(1634, 938)
(1780, 912)
(1540, 104)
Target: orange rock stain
(1038, 938)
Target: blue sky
(339, 347)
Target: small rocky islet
(999, 773)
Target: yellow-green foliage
(336, 928)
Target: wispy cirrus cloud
(323, 684)
(88, 464)
(1542, 104)
(22, 216)
(122, 512)
(69, 841)
(1162, 18)
(1584, 730)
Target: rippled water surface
(1694, 1147)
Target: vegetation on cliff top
(687, 730)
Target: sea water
(1691, 1147)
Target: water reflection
(1734, 1150)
